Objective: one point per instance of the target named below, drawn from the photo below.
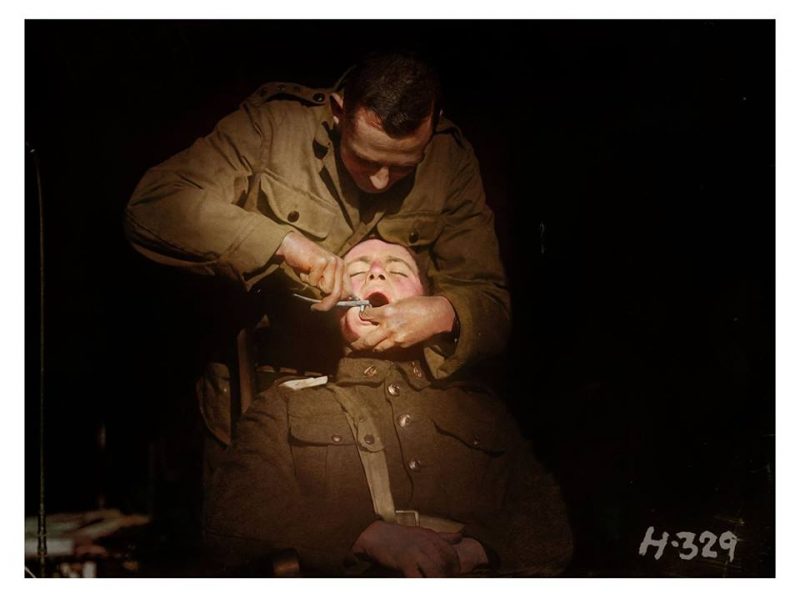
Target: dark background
(631, 169)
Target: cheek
(346, 325)
(408, 288)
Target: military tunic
(224, 205)
(294, 479)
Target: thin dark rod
(41, 549)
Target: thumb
(372, 314)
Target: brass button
(294, 215)
(371, 371)
(417, 371)
(404, 420)
(413, 236)
(336, 438)
(394, 390)
(318, 97)
(414, 465)
(369, 439)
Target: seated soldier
(383, 469)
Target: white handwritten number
(708, 539)
(727, 541)
(648, 542)
(688, 543)
(688, 549)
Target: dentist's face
(375, 160)
(382, 273)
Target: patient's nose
(376, 271)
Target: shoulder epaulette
(289, 91)
(447, 127)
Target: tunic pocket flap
(415, 229)
(329, 430)
(475, 433)
(306, 212)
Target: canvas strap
(373, 460)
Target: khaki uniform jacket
(224, 205)
(293, 477)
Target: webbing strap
(373, 460)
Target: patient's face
(382, 273)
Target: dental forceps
(361, 304)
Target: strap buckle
(406, 517)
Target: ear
(337, 107)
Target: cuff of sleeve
(250, 257)
(446, 356)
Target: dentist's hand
(406, 322)
(317, 267)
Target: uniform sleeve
(184, 211)
(469, 273)
(255, 508)
(530, 534)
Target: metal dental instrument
(362, 304)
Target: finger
(451, 537)
(447, 560)
(431, 566)
(316, 271)
(446, 555)
(331, 282)
(327, 279)
(412, 571)
(369, 340)
(335, 275)
(385, 345)
(440, 557)
(326, 304)
(373, 314)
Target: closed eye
(403, 274)
(354, 274)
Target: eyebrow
(409, 164)
(389, 260)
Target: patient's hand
(414, 551)
(470, 554)
(417, 551)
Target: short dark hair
(400, 87)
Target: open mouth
(377, 299)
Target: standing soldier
(294, 179)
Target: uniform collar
(323, 137)
(373, 371)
